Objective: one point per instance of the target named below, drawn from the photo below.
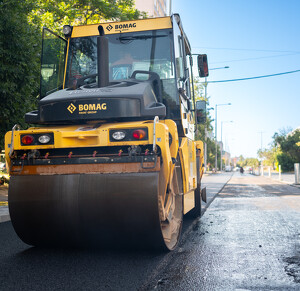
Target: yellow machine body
(76, 136)
(84, 188)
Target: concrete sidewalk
(214, 183)
(286, 178)
(4, 213)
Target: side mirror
(201, 111)
(203, 66)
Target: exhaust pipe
(103, 63)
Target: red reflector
(139, 134)
(27, 139)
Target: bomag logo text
(125, 26)
(71, 108)
(91, 108)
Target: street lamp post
(222, 140)
(205, 141)
(216, 136)
(205, 130)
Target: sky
(253, 38)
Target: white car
(228, 169)
(2, 166)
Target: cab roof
(123, 26)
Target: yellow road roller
(110, 157)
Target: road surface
(247, 239)
(25, 268)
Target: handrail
(156, 120)
(16, 127)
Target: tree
(286, 162)
(269, 156)
(198, 90)
(250, 162)
(290, 150)
(19, 54)
(211, 153)
(20, 45)
(241, 159)
(56, 13)
(206, 126)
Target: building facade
(154, 8)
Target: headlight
(45, 138)
(118, 135)
(37, 139)
(128, 134)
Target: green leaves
(54, 14)
(290, 150)
(21, 24)
(284, 151)
(19, 74)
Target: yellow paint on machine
(123, 27)
(75, 136)
(188, 202)
(200, 153)
(98, 136)
(187, 152)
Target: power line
(251, 78)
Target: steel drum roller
(91, 210)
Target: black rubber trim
(91, 160)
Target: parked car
(2, 166)
(228, 169)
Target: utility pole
(261, 143)
(216, 139)
(205, 95)
(205, 129)
(170, 7)
(222, 140)
(216, 136)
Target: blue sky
(253, 38)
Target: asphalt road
(25, 268)
(248, 239)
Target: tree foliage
(20, 45)
(248, 162)
(19, 54)
(269, 156)
(290, 149)
(205, 129)
(55, 13)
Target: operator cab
(146, 68)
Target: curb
(285, 182)
(4, 218)
(280, 181)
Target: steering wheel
(80, 81)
